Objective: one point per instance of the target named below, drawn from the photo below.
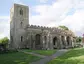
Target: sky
(50, 13)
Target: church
(24, 35)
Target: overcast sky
(46, 13)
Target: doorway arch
(62, 38)
(55, 42)
(45, 39)
(68, 40)
(38, 41)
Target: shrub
(3, 44)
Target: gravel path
(48, 58)
(35, 54)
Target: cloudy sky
(50, 13)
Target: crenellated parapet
(38, 27)
(51, 29)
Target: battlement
(45, 27)
(52, 29)
(38, 27)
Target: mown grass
(17, 58)
(74, 56)
(42, 52)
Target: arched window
(37, 39)
(21, 38)
(45, 38)
(54, 40)
(21, 24)
(68, 40)
(62, 38)
(21, 12)
(12, 39)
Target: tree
(3, 44)
(78, 39)
(63, 27)
(4, 40)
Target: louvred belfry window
(21, 12)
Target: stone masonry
(24, 35)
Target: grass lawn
(74, 56)
(42, 52)
(17, 58)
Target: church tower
(19, 19)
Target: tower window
(21, 12)
(21, 24)
(21, 38)
(11, 39)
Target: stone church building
(24, 35)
